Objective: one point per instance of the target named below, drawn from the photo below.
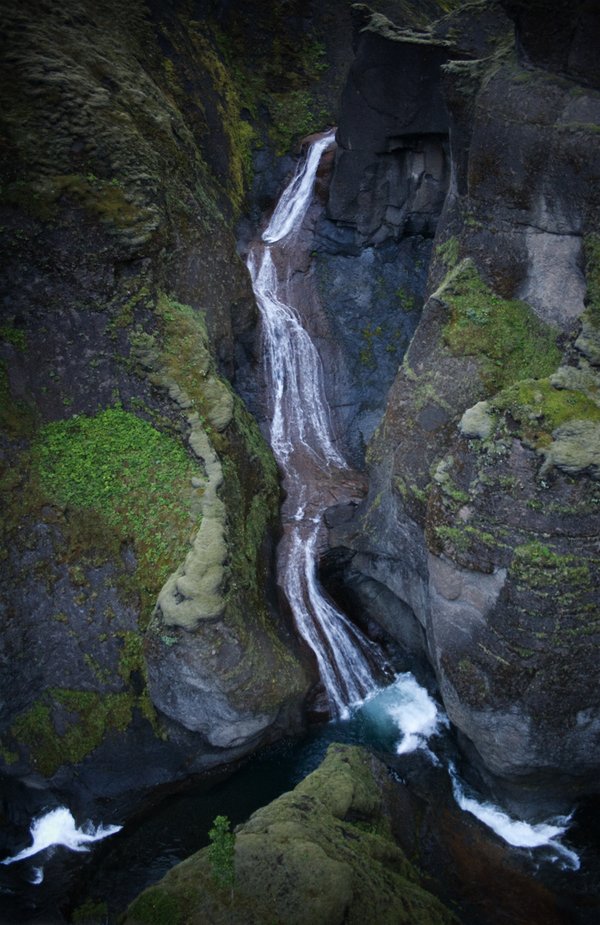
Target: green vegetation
(408, 300)
(321, 853)
(184, 351)
(448, 252)
(14, 336)
(105, 199)
(367, 354)
(537, 566)
(241, 135)
(221, 852)
(16, 417)
(508, 339)
(276, 75)
(129, 477)
(157, 907)
(90, 715)
(539, 408)
(90, 913)
(463, 537)
(443, 478)
(293, 117)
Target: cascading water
(303, 444)
(314, 470)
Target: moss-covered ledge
(322, 854)
(217, 660)
(180, 363)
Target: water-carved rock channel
(366, 703)
(315, 473)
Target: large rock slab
(320, 855)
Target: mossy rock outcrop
(319, 855)
(482, 517)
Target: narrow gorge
(299, 461)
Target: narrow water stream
(314, 470)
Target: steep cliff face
(482, 522)
(139, 500)
(387, 189)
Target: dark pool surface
(118, 868)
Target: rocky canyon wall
(139, 641)
(481, 529)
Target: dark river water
(117, 868)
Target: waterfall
(314, 470)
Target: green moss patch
(539, 408)
(14, 336)
(90, 716)
(118, 469)
(268, 71)
(448, 252)
(508, 339)
(240, 134)
(537, 566)
(157, 907)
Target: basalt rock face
(139, 642)
(482, 518)
(387, 189)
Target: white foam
(405, 708)
(37, 876)
(516, 832)
(57, 827)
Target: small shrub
(221, 852)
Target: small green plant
(221, 852)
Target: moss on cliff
(537, 566)
(320, 854)
(118, 231)
(508, 339)
(88, 718)
(118, 469)
(539, 408)
(277, 73)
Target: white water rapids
(313, 470)
(57, 827)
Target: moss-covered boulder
(319, 855)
